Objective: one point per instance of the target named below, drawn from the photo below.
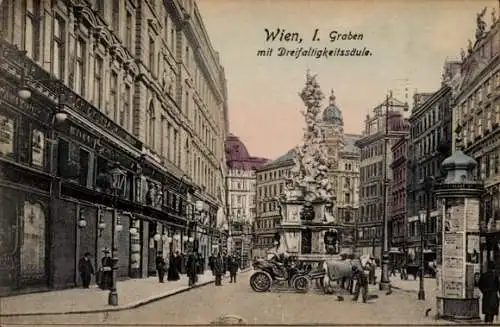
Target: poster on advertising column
(454, 215)
(472, 215)
(453, 245)
(453, 268)
(453, 289)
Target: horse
(336, 270)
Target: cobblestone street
(203, 305)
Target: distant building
(345, 174)
(429, 144)
(374, 161)
(397, 191)
(270, 184)
(240, 183)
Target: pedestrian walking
(489, 285)
(371, 274)
(107, 270)
(86, 269)
(233, 268)
(161, 266)
(173, 271)
(211, 261)
(191, 269)
(219, 269)
(361, 280)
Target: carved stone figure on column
(307, 212)
(331, 241)
(151, 195)
(481, 25)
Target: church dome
(332, 113)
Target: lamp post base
(113, 297)
(421, 294)
(384, 286)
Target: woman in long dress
(173, 272)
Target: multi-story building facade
(271, 178)
(241, 191)
(140, 86)
(345, 174)
(476, 95)
(374, 167)
(429, 144)
(397, 189)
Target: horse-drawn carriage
(300, 276)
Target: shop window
(102, 180)
(84, 167)
(68, 160)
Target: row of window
(371, 211)
(372, 150)
(270, 191)
(266, 224)
(489, 164)
(268, 206)
(483, 92)
(430, 143)
(399, 152)
(241, 201)
(112, 92)
(273, 175)
(244, 184)
(373, 170)
(431, 118)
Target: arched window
(150, 126)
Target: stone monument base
(458, 309)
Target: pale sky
(409, 39)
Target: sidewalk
(412, 286)
(132, 293)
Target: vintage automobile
(270, 272)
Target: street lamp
(421, 289)
(117, 181)
(82, 223)
(384, 278)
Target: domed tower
(333, 127)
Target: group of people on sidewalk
(104, 276)
(172, 266)
(220, 264)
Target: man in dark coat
(86, 269)
(233, 268)
(361, 283)
(211, 261)
(219, 269)
(191, 269)
(489, 285)
(371, 275)
(107, 270)
(161, 266)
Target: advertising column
(457, 297)
(460, 259)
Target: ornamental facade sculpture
(309, 175)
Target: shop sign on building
(38, 148)
(6, 135)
